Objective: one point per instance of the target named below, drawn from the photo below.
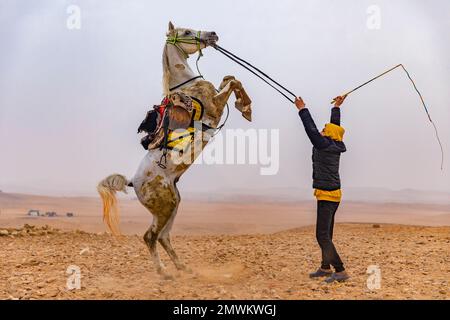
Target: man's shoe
(321, 273)
(337, 276)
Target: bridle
(176, 40)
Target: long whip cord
(429, 116)
(421, 99)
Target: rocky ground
(414, 263)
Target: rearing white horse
(155, 185)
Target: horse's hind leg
(164, 238)
(165, 242)
(151, 240)
(161, 199)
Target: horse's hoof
(184, 268)
(167, 277)
(164, 275)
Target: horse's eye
(187, 32)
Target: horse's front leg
(227, 87)
(243, 103)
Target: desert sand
(234, 251)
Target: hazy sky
(71, 100)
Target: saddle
(176, 111)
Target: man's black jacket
(326, 152)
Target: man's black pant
(324, 234)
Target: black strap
(248, 65)
(186, 82)
(163, 160)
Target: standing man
(327, 149)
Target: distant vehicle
(50, 214)
(69, 214)
(33, 213)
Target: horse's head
(190, 41)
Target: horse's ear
(171, 26)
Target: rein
(257, 72)
(176, 40)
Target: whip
(421, 99)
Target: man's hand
(339, 100)
(299, 103)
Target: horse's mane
(166, 71)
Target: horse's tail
(107, 189)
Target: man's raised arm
(336, 110)
(314, 135)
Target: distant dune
(372, 195)
(242, 215)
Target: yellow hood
(334, 132)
